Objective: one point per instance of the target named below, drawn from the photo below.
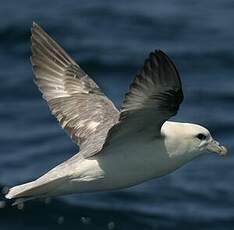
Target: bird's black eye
(201, 136)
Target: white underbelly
(133, 166)
(120, 167)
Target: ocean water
(110, 40)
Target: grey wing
(153, 97)
(76, 101)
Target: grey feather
(153, 97)
(82, 109)
(75, 99)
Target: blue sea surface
(110, 40)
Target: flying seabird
(118, 149)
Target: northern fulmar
(118, 149)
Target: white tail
(38, 188)
(23, 190)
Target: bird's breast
(132, 163)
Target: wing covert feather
(74, 98)
(154, 96)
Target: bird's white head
(189, 140)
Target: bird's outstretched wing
(153, 97)
(76, 101)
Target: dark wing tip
(172, 73)
(158, 76)
(161, 68)
(168, 61)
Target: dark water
(110, 40)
